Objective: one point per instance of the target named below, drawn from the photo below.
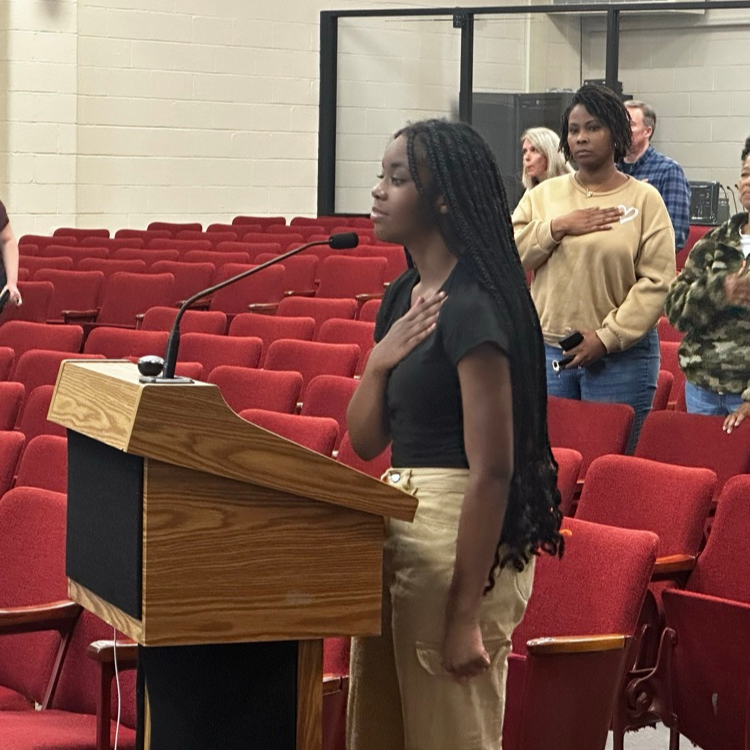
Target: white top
(745, 244)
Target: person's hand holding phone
(586, 352)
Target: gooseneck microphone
(147, 365)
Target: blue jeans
(627, 377)
(704, 401)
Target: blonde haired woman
(541, 156)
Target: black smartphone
(571, 341)
(4, 297)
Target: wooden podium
(224, 550)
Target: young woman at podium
(456, 382)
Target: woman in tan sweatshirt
(601, 247)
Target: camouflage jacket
(715, 353)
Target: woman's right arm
(536, 240)
(366, 417)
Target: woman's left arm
(10, 262)
(655, 269)
(486, 395)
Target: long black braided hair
(603, 103)
(451, 160)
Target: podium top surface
(191, 425)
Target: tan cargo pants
(401, 697)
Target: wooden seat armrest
(80, 316)
(104, 652)
(201, 304)
(332, 683)
(264, 308)
(362, 298)
(576, 644)
(37, 617)
(671, 566)
(299, 293)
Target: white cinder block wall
(116, 112)
(695, 72)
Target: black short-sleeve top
(4, 220)
(423, 394)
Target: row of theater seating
(535, 673)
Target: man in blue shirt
(645, 163)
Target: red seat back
(311, 358)
(22, 336)
(683, 439)
(569, 464)
(44, 464)
(123, 343)
(212, 351)
(316, 433)
(593, 429)
(329, 396)
(193, 321)
(634, 493)
(74, 290)
(174, 227)
(189, 278)
(125, 295)
(267, 286)
(37, 299)
(247, 388)
(270, 328)
(319, 310)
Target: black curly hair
(746, 150)
(451, 160)
(603, 103)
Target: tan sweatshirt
(612, 282)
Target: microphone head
(343, 241)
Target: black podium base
(224, 697)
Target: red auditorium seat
(12, 396)
(74, 290)
(316, 433)
(251, 249)
(263, 288)
(311, 358)
(329, 396)
(212, 351)
(76, 254)
(214, 256)
(670, 362)
(32, 558)
(80, 234)
(711, 619)
(270, 328)
(246, 388)
(111, 243)
(83, 710)
(32, 420)
(110, 266)
(300, 271)
(124, 343)
(41, 240)
(193, 321)
(125, 295)
(667, 332)
(375, 468)
(11, 447)
(182, 246)
(44, 464)
(683, 439)
(213, 237)
(327, 222)
(23, 336)
(319, 310)
(173, 227)
(222, 228)
(569, 463)
(189, 278)
(284, 241)
(7, 360)
(664, 383)
(359, 332)
(143, 234)
(40, 367)
(263, 221)
(36, 263)
(594, 429)
(148, 256)
(37, 298)
(395, 258)
(571, 649)
(369, 310)
(695, 233)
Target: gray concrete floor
(650, 739)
